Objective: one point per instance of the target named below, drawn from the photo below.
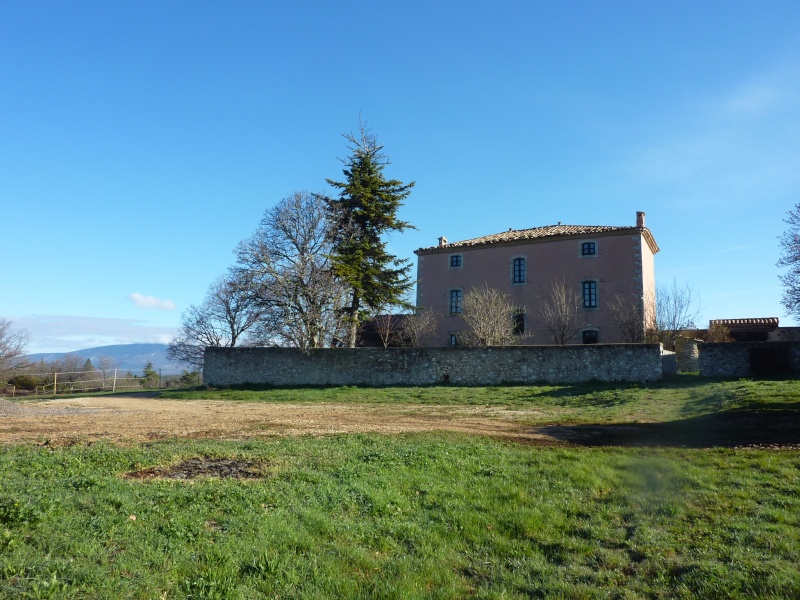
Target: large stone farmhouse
(599, 262)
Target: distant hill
(132, 357)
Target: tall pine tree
(365, 211)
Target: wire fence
(108, 380)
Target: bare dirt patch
(192, 468)
(135, 418)
(143, 417)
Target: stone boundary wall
(733, 359)
(425, 366)
(784, 334)
(669, 363)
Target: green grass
(413, 516)
(426, 515)
(680, 398)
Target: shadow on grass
(680, 382)
(770, 425)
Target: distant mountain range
(132, 357)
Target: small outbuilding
(748, 330)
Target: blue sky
(141, 141)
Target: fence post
(55, 383)
(114, 385)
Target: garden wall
(748, 359)
(425, 366)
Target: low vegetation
(419, 515)
(669, 400)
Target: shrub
(26, 382)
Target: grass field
(672, 399)
(427, 515)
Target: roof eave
(447, 248)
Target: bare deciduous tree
(417, 327)
(489, 315)
(226, 314)
(790, 245)
(106, 364)
(629, 315)
(387, 326)
(12, 346)
(717, 333)
(677, 309)
(561, 312)
(288, 266)
(69, 368)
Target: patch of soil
(137, 418)
(193, 468)
(142, 418)
(8, 408)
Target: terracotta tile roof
(546, 233)
(766, 323)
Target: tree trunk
(353, 310)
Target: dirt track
(142, 418)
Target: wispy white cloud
(738, 147)
(765, 94)
(754, 99)
(143, 301)
(62, 333)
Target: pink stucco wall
(649, 283)
(623, 265)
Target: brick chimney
(640, 219)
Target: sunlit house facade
(600, 263)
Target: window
(455, 261)
(590, 336)
(456, 297)
(589, 294)
(452, 339)
(519, 322)
(518, 270)
(589, 249)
